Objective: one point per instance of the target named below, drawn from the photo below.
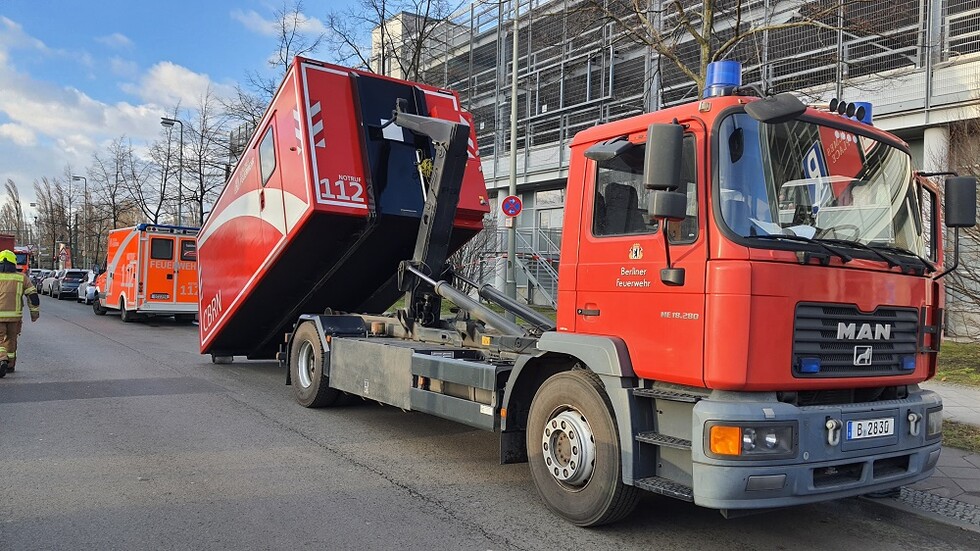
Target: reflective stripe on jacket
(13, 287)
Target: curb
(941, 509)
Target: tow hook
(833, 431)
(915, 422)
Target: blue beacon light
(722, 77)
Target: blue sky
(75, 74)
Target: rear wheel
(574, 452)
(306, 358)
(125, 315)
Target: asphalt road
(121, 436)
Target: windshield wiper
(929, 266)
(858, 245)
(845, 258)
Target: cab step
(665, 394)
(662, 486)
(652, 437)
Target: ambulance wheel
(574, 453)
(222, 359)
(98, 308)
(184, 318)
(125, 315)
(310, 386)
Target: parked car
(67, 284)
(86, 289)
(38, 275)
(48, 281)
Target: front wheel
(306, 361)
(574, 452)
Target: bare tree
(207, 154)
(297, 36)
(12, 214)
(107, 178)
(52, 201)
(391, 37)
(963, 285)
(688, 35)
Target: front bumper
(819, 470)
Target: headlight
(934, 423)
(725, 440)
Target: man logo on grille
(862, 355)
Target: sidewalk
(954, 490)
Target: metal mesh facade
(579, 65)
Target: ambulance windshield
(802, 180)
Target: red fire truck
(24, 254)
(750, 291)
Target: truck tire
(310, 386)
(98, 308)
(125, 315)
(574, 453)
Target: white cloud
(252, 21)
(124, 67)
(18, 134)
(45, 126)
(12, 36)
(169, 84)
(115, 40)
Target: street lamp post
(168, 122)
(84, 218)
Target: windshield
(75, 276)
(22, 258)
(802, 179)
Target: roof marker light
(722, 77)
(864, 117)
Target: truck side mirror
(662, 161)
(961, 212)
(667, 205)
(961, 202)
(662, 174)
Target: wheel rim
(569, 447)
(306, 364)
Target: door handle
(587, 312)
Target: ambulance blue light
(722, 77)
(809, 365)
(908, 363)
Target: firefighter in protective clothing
(14, 286)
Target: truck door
(619, 289)
(186, 270)
(159, 275)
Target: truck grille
(837, 338)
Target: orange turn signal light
(725, 440)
